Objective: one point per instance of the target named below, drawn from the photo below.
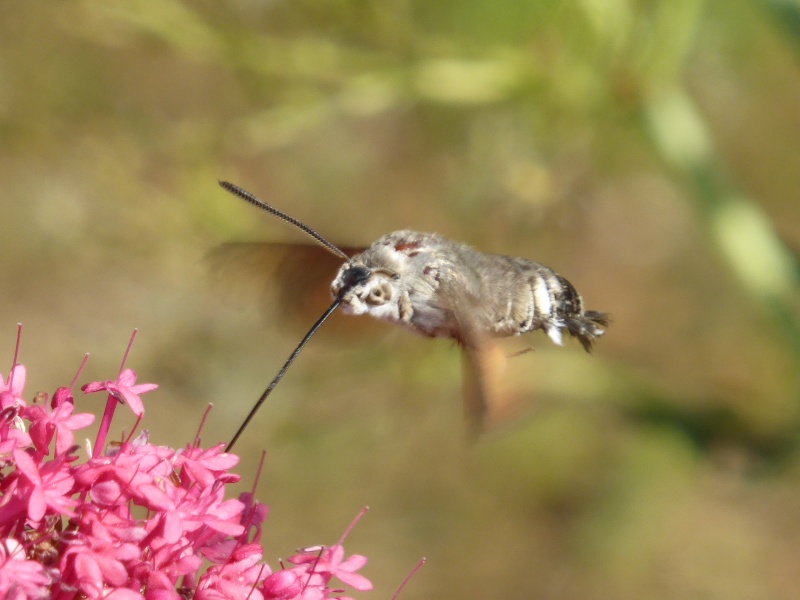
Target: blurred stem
(741, 230)
(786, 14)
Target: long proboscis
(282, 372)
(255, 201)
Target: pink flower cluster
(134, 520)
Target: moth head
(365, 290)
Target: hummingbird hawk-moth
(440, 288)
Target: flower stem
(105, 425)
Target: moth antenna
(285, 366)
(248, 197)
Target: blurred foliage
(648, 150)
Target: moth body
(438, 288)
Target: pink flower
(255, 513)
(329, 564)
(97, 558)
(46, 486)
(164, 563)
(121, 476)
(135, 521)
(284, 584)
(236, 579)
(12, 434)
(20, 578)
(183, 512)
(11, 391)
(123, 389)
(45, 423)
(207, 467)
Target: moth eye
(380, 294)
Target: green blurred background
(648, 151)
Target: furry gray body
(440, 288)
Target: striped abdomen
(530, 296)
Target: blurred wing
(289, 276)
(282, 279)
(483, 360)
(483, 368)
